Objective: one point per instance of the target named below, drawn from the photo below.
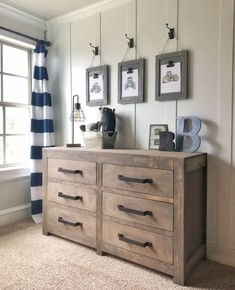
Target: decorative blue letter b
(192, 134)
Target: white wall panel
(115, 24)
(152, 34)
(59, 81)
(199, 33)
(84, 32)
(225, 121)
(232, 205)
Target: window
(15, 88)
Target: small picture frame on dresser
(154, 137)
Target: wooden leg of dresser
(46, 233)
(99, 252)
(179, 279)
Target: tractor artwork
(96, 89)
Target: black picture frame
(97, 86)
(131, 81)
(171, 76)
(154, 137)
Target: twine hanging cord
(93, 58)
(127, 50)
(178, 44)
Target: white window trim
(13, 173)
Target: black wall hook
(130, 42)
(171, 32)
(96, 49)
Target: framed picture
(97, 86)
(131, 81)
(171, 76)
(154, 138)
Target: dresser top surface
(153, 153)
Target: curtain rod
(47, 43)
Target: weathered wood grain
(162, 213)
(162, 179)
(177, 199)
(162, 246)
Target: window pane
(1, 150)
(17, 120)
(15, 89)
(17, 149)
(15, 61)
(1, 121)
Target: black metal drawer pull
(61, 220)
(135, 180)
(133, 242)
(134, 211)
(64, 170)
(60, 194)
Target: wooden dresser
(145, 206)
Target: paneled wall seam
(136, 41)
(219, 116)
(173, 15)
(70, 70)
(100, 48)
(233, 101)
(225, 121)
(232, 137)
(177, 35)
(216, 238)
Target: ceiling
(48, 9)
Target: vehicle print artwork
(130, 84)
(170, 77)
(96, 89)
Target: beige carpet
(29, 260)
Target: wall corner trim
(88, 11)
(22, 17)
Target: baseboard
(14, 214)
(221, 255)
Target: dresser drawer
(77, 197)
(146, 243)
(68, 222)
(146, 180)
(146, 212)
(72, 170)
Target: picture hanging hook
(96, 49)
(130, 42)
(171, 32)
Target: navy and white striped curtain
(42, 129)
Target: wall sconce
(77, 114)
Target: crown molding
(25, 18)
(88, 11)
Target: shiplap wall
(205, 28)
